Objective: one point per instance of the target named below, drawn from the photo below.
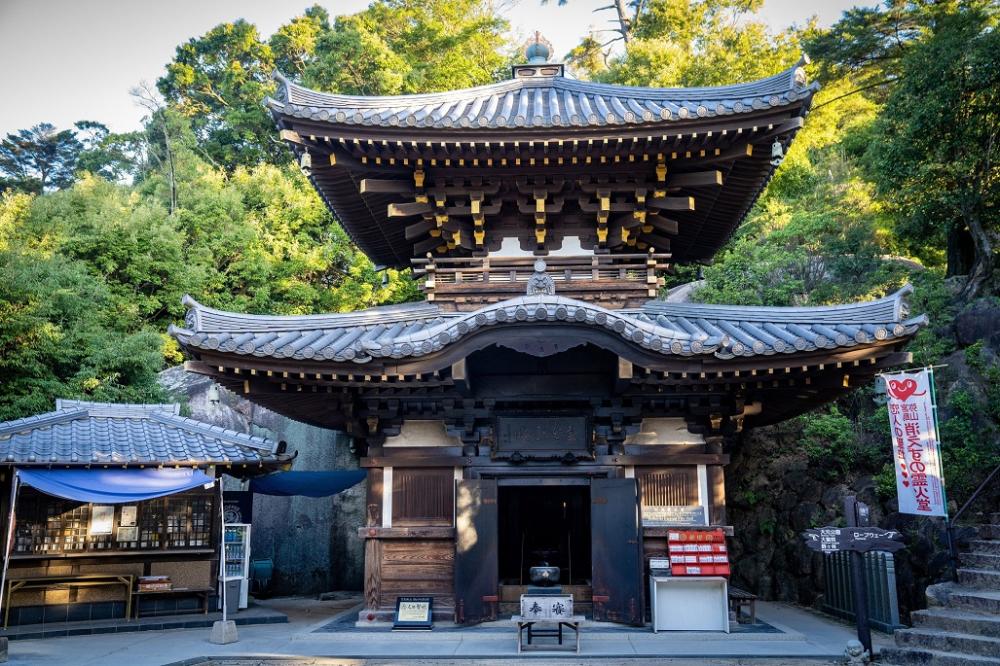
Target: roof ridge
(896, 299)
(41, 420)
(211, 430)
(197, 311)
(113, 409)
(781, 81)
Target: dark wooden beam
(695, 179)
(663, 224)
(671, 203)
(385, 186)
(408, 209)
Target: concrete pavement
(803, 636)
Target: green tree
(690, 43)
(410, 46)
(60, 332)
(219, 81)
(935, 151)
(294, 44)
(40, 158)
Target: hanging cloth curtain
(308, 484)
(113, 486)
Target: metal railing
(880, 584)
(950, 525)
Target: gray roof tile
(86, 433)
(668, 328)
(551, 101)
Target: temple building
(544, 402)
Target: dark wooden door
(476, 551)
(616, 550)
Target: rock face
(962, 622)
(313, 542)
(774, 493)
(980, 320)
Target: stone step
(963, 622)
(896, 656)
(979, 601)
(989, 531)
(973, 560)
(985, 546)
(947, 641)
(982, 579)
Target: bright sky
(69, 60)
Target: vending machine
(237, 548)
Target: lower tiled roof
(90, 433)
(664, 328)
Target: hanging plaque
(669, 516)
(550, 433)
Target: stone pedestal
(223, 633)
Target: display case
(237, 548)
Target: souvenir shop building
(109, 495)
(543, 403)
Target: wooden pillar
(374, 498)
(716, 483)
(373, 573)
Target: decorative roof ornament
(538, 50)
(538, 60)
(541, 283)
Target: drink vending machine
(237, 549)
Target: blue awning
(113, 486)
(308, 484)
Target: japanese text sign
(916, 450)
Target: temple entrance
(544, 522)
(585, 525)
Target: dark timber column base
(404, 561)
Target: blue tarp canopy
(308, 484)
(113, 486)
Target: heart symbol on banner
(904, 389)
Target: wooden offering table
(572, 622)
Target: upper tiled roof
(682, 329)
(93, 433)
(550, 101)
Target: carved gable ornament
(541, 283)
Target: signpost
(856, 538)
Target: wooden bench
(741, 599)
(571, 622)
(202, 592)
(67, 582)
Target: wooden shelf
(113, 553)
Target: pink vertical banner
(916, 449)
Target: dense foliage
(893, 179)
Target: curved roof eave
(548, 102)
(701, 330)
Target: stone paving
(803, 638)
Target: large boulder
(980, 320)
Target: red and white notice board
(698, 553)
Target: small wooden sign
(414, 614)
(546, 606)
(859, 539)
